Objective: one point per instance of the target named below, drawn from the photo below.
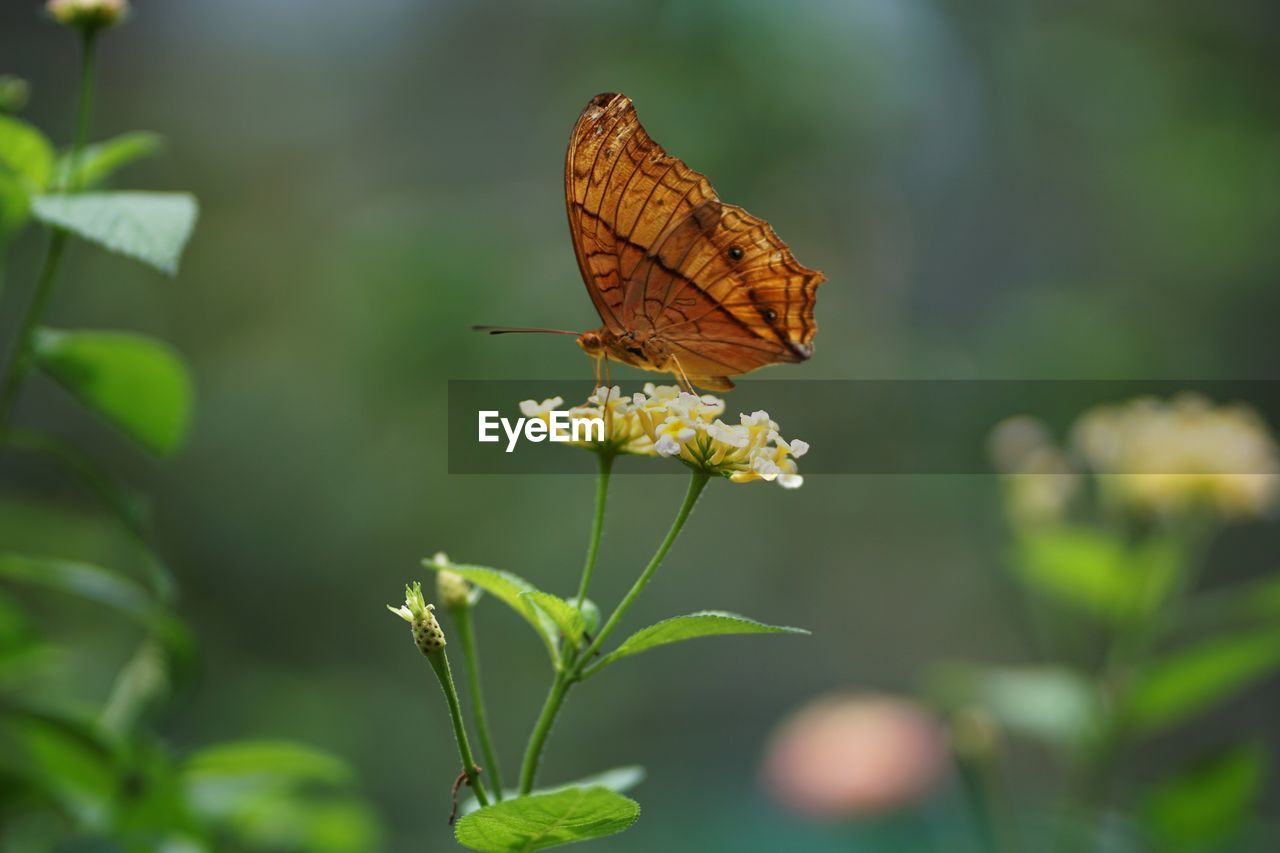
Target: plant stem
(605, 460)
(466, 635)
(566, 677)
(20, 357)
(533, 752)
(440, 663)
(696, 484)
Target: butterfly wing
(661, 255)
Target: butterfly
(683, 283)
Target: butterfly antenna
(508, 330)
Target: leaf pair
(549, 615)
(147, 226)
(553, 617)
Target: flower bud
(422, 622)
(14, 92)
(88, 15)
(453, 590)
(590, 614)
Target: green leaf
(281, 760)
(705, 623)
(616, 779)
(133, 508)
(137, 383)
(83, 580)
(25, 152)
(1204, 805)
(149, 227)
(510, 589)
(1193, 680)
(1051, 704)
(562, 613)
(15, 205)
(1097, 572)
(539, 821)
(279, 795)
(103, 159)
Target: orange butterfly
(684, 283)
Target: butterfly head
(592, 343)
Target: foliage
(1120, 567)
(79, 769)
(525, 818)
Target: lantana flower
(666, 422)
(622, 432)
(88, 14)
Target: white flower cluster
(88, 14)
(667, 422)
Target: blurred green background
(994, 189)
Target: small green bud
(88, 15)
(422, 622)
(14, 92)
(590, 614)
(453, 590)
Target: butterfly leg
(682, 378)
(608, 385)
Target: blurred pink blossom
(854, 755)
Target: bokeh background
(995, 189)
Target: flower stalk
(574, 671)
(19, 363)
(430, 640)
(466, 636)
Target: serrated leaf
(508, 588)
(1204, 805)
(705, 623)
(562, 613)
(1097, 572)
(25, 152)
(616, 779)
(137, 383)
(101, 160)
(539, 821)
(149, 227)
(1195, 679)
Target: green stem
(696, 484)
(20, 357)
(533, 752)
(566, 677)
(466, 635)
(440, 663)
(605, 460)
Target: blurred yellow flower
(1164, 457)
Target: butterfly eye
(769, 315)
(735, 253)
